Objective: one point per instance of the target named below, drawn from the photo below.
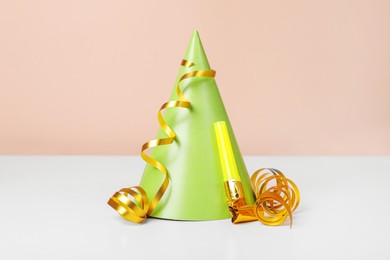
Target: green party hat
(196, 188)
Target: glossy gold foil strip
(132, 203)
(187, 64)
(277, 197)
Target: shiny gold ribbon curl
(276, 196)
(132, 203)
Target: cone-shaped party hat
(196, 185)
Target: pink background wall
(297, 77)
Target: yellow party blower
(234, 192)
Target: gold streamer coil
(133, 203)
(276, 196)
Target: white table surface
(55, 208)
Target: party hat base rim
(190, 219)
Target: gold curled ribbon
(132, 203)
(274, 203)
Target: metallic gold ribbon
(132, 203)
(274, 203)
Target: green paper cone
(196, 190)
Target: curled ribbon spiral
(274, 203)
(133, 203)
